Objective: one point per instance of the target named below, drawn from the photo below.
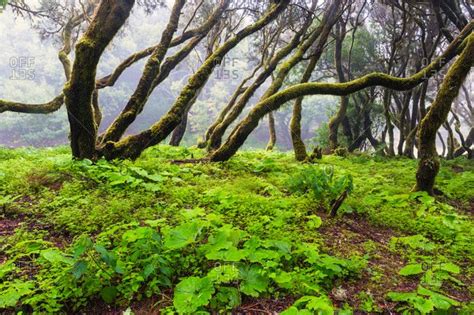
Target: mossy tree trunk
(215, 138)
(109, 18)
(248, 124)
(328, 22)
(139, 98)
(428, 165)
(178, 133)
(133, 146)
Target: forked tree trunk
(137, 102)
(133, 146)
(428, 166)
(109, 18)
(178, 133)
(284, 69)
(249, 123)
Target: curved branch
(112, 78)
(45, 108)
(243, 130)
(133, 146)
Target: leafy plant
(322, 183)
(422, 301)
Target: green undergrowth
(213, 237)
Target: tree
(248, 124)
(428, 166)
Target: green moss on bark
(243, 129)
(428, 166)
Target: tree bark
(272, 132)
(178, 133)
(109, 18)
(45, 108)
(295, 124)
(336, 120)
(133, 146)
(428, 165)
(219, 130)
(242, 131)
(139, 98)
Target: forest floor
(249, 236)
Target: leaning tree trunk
(139, 98)
(282, 73)
(109, 18)
(133, 146)
(271, 128)
(249, 123)
(428, 166)
(178, 133)
(295, 123)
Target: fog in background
(31, 72)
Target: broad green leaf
(81, 246)
(410, 270)
(450, 267)
(423, 305)
(6, 268)
(108, 257)
(182, 235)
(223, 274)
(233, 254)
(109, 294)
(322, 305)
(55, 256)
(79, 269)
(253, 282)
(283, 279)
(228, 297)
(14, 292)
(439, 300)
(191, 294)
(139, 233)
(290, 311)
(401, 296)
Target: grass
(249, 234)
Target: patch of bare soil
(264, 306)
(154, 305)
(8, 227)
(349, 236)
(463, 207)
